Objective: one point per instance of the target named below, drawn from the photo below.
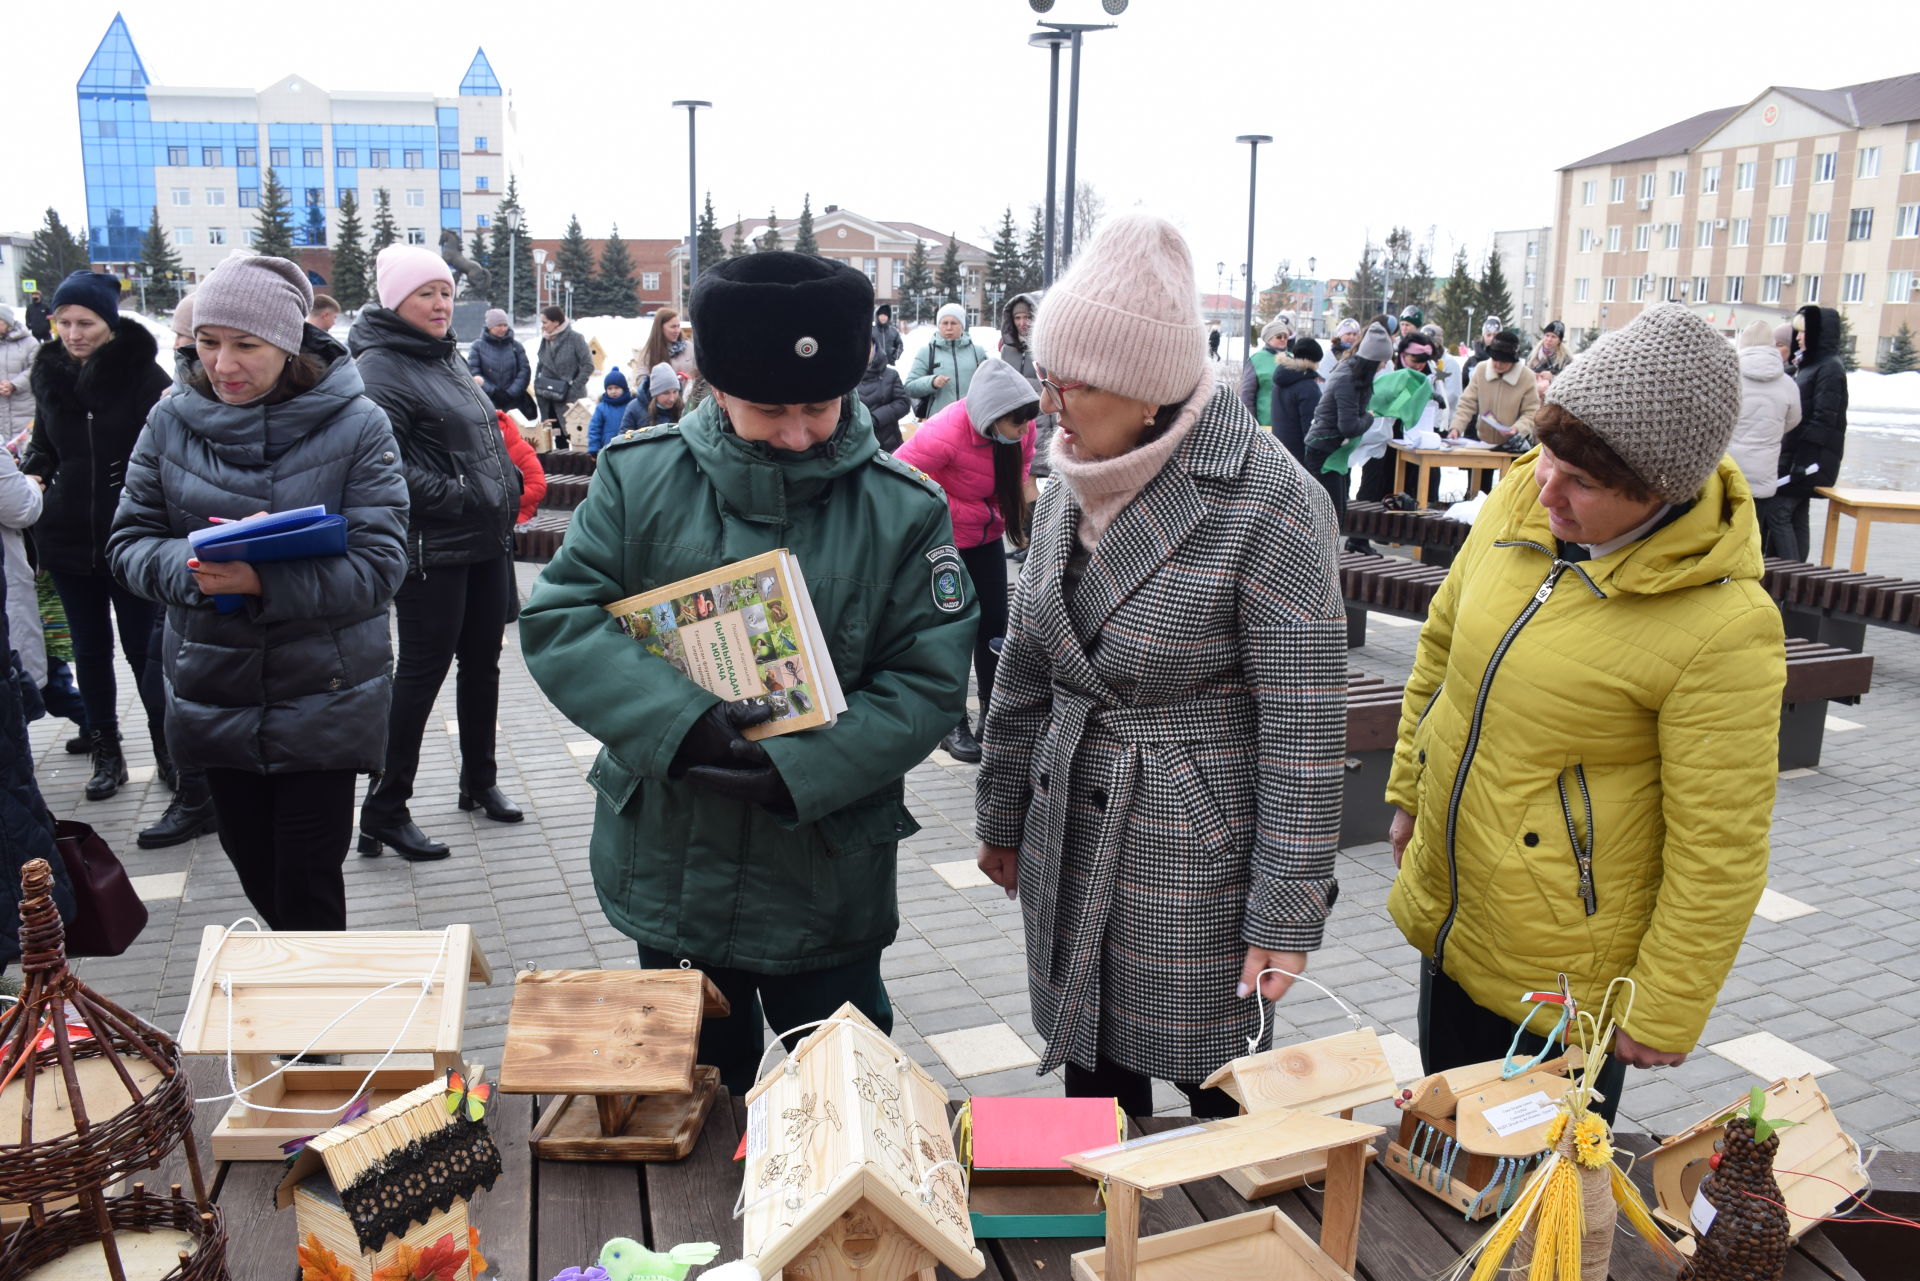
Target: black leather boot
(190, 815)
(493, 801)
(109, 765)
(408, 841)
(80, 744)
(961, 744)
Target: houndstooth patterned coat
(1166, 749)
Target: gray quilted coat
(300, 676)
(1165, 748)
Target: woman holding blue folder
(283, 698)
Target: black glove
(762, 786)
(715, 738)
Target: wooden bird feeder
(1816, 1166)
(850, 1170)
(264, 994)
(1261, 1243)
(619, 1046)
(1335, 1074)
(412, 1153)
(1470, 1137)
(90, 1095)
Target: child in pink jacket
(980, 450)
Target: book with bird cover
(744, 631)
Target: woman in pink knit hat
(1163, 756)
(458, 594)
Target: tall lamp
(693, 218)
(1253, 141)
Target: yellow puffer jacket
(1627, 707)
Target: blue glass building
(199, 156)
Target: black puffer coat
(300, 676)
(885, 397)
(1296, 394)
(503, 363)
(1341, 412)
(1821, 438)
(88, 417)
(464, 490)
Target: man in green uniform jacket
(768, 865)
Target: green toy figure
(624, 1259)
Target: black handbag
(107, 915)
(924, 405)
(548, 387)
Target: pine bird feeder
(850, 1171)
(260, 995)
(89, 1095)
(1471, 1138)
(1261, 1243)
(1335, 1074)
(619, 1046)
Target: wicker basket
(37, 1244)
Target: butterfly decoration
(474, 1096)
(356, 1109)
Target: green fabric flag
(1402, 394)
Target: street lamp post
(1052, 42)
(1219, 281)
(539, 275)
(1072, 30)
(693, 219)
(513, 253)
(1253, 141)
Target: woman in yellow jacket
(1587, 753)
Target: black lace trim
(414, 1183)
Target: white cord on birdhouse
(1253, 1042)
(926, 1181)
(240, 1092)
(900, 1062)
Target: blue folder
(289, 535)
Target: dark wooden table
(544, 1216)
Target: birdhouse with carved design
(850, 1172)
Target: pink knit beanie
(401, 269)
(1126, 315)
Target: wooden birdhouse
(1261, 1243)
(619, 1046)
(1471, 1137)
(850, 1170)
(1335, 1074)
(1015, 1150)
(260, 995)
(1817, 1165)
(397, 1179)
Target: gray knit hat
(661, 379)
(266, 297)
(183, 318)
(1374, 345)
(495, 316)
(997, 389)
(1664, 393)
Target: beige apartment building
(1751, 212)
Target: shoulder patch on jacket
(636, 435)
(949, 581)
(899, 468)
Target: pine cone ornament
(1748, 1239)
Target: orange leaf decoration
(405, 1261)
(317, 1263)
(477, 1259)
(440, 1261)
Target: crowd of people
(1132, 554)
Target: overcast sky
(1436, 116)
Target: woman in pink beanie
(1163, 755)
(458, 594)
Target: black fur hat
(781, 328)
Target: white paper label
(1520, 1114)
(1143, 1141)
(757, 1130)
(1702, 1213)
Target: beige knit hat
(266, 297)
(1126, 315)
(1664, 393)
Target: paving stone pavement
(1838, 981)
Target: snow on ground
(1884, 393)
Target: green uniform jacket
(677, 866)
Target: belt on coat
(1139, 727)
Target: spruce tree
(161, 265)
(522, 287)
(349, 283)
(951, 282)
(708, 246)
(1034, 254)
(273, 234)
(385, 233)
(480, 251)
(738, 249)
(771, 240)
(614, 286)
(314, 232)
(1367, 290)
(575, 260)
(1900, 356)
(1006, 264)
(917, 286)
(1849, 357)
(803, 241)
(1456, 294)
(1494, 298)
(54, 254)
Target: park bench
(1817, 674)
(565, 491)
(1437, 537)
(566, 462)
(540, 538)
(1373, 725)
(1824, 603)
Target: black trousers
(1777, 534)
(1455, 1032)
(736, 1044)
(557, 411)
(987, 567)
(1336, 483)
(1799, 516)
(1134, 1090)
(286, 835)
(96, 607)
(447, 613)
